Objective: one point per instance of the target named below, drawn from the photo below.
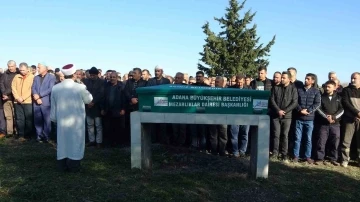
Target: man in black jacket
(328, 116)
(298, 84)
(261, 83)
(113, 112)
(2, 116)
(95, 86)
(277, 78)
(294, 81)
(351, 117)
(132, 84)
(7, 97)
(284, 99)
(131, 97)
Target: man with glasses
(200, 79)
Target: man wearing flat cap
(68, 100)
(93, 110)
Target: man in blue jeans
(309, 100)
(241, 131)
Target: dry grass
(28, 173)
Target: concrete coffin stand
(141, 141)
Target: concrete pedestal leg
(259, 160)
(140, 143)
(260, 137)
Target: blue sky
(312, 35)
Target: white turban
(68, 70)
(158, 67)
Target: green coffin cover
(198, 99)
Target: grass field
(28, 173)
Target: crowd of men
(308, 122)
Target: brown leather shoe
(2, 135)
(99, 145)
(309, 161)
(21, 139)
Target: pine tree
(236, 48)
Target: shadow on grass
(28, 173)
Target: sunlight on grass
(95, 166)
(351, 171)
(26, 170)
